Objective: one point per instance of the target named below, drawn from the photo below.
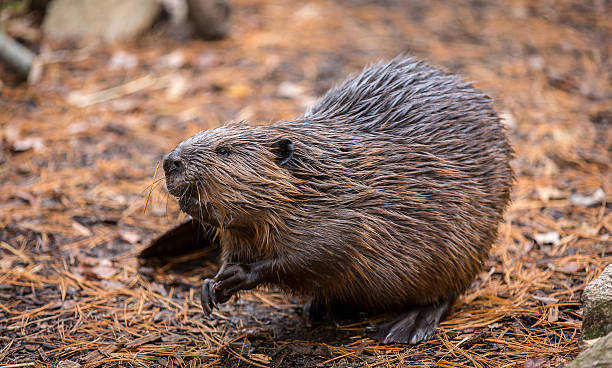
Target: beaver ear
(283, 149)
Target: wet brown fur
(397, 184)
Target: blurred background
(94, 93)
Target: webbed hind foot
(417, 324)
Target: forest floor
(78, 152)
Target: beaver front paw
(234, 278)
(231, 279)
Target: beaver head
(231, 176)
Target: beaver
(385, 196)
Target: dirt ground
(79, 150)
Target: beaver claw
(209, 300)
(229, 280)
(213, 295)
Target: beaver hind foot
(411, 327)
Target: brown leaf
(553, 314)
(68, 364)
(571, 268)
(112, 285)
(103, 270)
(537, 363)
(81, 229)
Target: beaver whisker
(154, 183)
(199, 201)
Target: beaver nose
(172, 163)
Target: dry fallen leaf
(546, 300)
(553, 314)
(588, 200)
(261, 358)
(81, 229)
(537, 363)
(68, 364)
(129, 236)
(547, 238)
(27, 144)
(102, 271)
(571, 268)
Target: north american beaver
(385, 196)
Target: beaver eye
(223, 151)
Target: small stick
(17, 57)
(18, 365)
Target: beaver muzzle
(174, 170)
(172, 163)
(186, 193)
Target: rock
(210, 17)
(109, 20)
(597, 301)
(597, 356)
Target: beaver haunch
(384, 197)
